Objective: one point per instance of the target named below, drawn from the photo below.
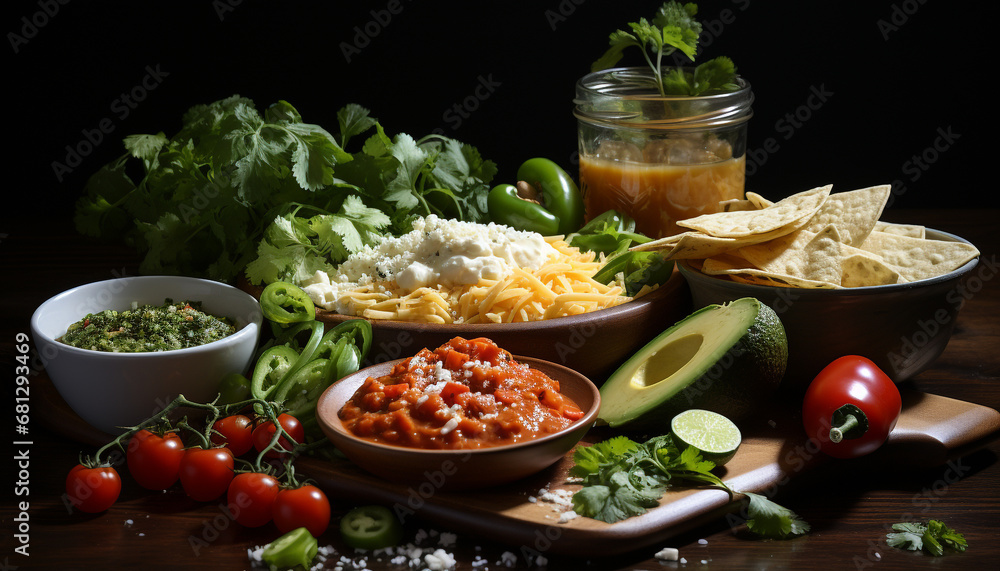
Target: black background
(905, 84)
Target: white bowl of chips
(841, 281)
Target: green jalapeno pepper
(545, 200)
(370, 527)
(233, 388)
(282, 302)
(297, 547)
(300, 391)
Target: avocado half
(724, 358)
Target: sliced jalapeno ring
(271, 367)
(283, 302)
(358, 330)
(370, 527)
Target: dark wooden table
(849, 504)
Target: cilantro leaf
(934, 537)
(768, 519)
(623, 478)
(589, 459)
(353, 120)
(908, 536)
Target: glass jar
(658, 158)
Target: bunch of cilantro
(623, 478)
(673, 29)
(235, 189)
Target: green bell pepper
(297, 547)
(545, 200)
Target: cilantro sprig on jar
(673, 29)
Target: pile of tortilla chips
(813, 239)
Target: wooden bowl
(458, 469)
(593, 344)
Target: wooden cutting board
(931, 430)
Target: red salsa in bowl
(466, 394)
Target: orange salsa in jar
(657, 195)
(465, 394)
(659, 158)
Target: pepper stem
(837, 432)
(848, 422)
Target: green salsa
(148, 328)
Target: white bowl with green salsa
(119, 350)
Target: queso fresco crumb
(148, 328)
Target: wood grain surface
(849, 504)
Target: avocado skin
(737, 384)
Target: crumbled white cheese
(439, 560)
(667, 554)
(436, 252)
(568, 515)
(452, 424)
(507, 559)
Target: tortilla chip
(855, 212)
(740, 224)
(804, 254)
(757, 200)
(911, 230)
(864, 270)
(736, 204)
(692, 245)
(759, 277)
(915, 258)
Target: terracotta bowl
(593, 344)
(903, 328)
(458, 469)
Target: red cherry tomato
(251, 498)
(305, 506)
(235, 433)
(154, 460)
(206, 473)
(264, 432)
(93, 490)
(850, 407)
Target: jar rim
(620, 95)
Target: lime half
(713, 434)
